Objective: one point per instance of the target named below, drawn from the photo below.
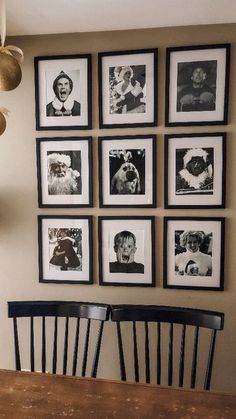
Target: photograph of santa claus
(64, 173)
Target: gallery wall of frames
(196, 94)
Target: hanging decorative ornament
(10, 57)
(3, 111)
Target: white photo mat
(142, 230)
(146, 59)
(218, 54)
(208, 227)
(60, 146)
(135, 199)
(77, 70)
(191, 143)
(48, 274)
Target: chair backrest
(189, 319)
(81, 312)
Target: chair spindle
(182, 356)
(147, 356)
(194, 360)
(76, 346)
(32, 344)
(207, 382)
(158, 353)
(97, 350)
(86, 345)
(43, 345)
(54, 359)
(16, 341)
(65, 346)
(170, 358)
(136, 364)
(121, 353)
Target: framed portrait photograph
(63, 92)
(127, 251)
(64, 167)
(65, 249)
(195, 170)
(194, 253)
(197, 85)
(127, 88)
(127, 171)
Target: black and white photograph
(197, 84)
(127, 166)
(194, 252)
(195, 170)
(127, 88)
(126, 253)
(64, 172)
(63, 92)
(65, 249)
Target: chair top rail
(168, 314)
(88, 310)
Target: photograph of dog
(127, 171)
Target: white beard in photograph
(63, 185)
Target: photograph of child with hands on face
(125, 248)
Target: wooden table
(41, 396)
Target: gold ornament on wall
(10, 71)
(3, 112)
(10, 59)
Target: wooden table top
(40, 396)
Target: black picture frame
(127, 171)
(74, 113)
(136, 105)
(68, 235)
(140, 233)
(201, 267)
(195, 170)
(197, 85)
(64, 172)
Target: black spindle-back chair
(174, 316)
(57, 309)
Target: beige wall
(18, 192)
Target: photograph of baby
(127, 86)
(123, 248)
(127, 171)
(193, 253)
(65, 249)
(64, 172)
(196, 86)
(194, 171)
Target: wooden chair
(92, 312)
(157, 316)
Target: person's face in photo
(196, 165)
(59, 169)
(125, 250)
(127, 76)
(198, 76)
(63, 89)
(192, 244)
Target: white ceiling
(31, 17)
